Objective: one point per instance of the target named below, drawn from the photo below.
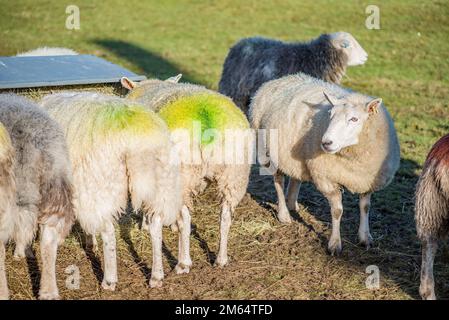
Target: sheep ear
(174, 79)
(374, 105)
(332, 100)
(127, 83)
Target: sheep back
(181, 105)
(92, 120)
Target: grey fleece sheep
(7, 203)
(432, 210)
(253, 61)
(43, 179)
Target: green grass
(408, 67)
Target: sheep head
(346, 121)
(348, 44)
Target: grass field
(408, 67)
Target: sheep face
(349, 45)
(346, 122)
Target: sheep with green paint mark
(206, 122)
(118, 148)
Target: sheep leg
(4, 294)
(145, 224)
(23, 251)
(335, 201)
(225, 225)
(24, 232)
(427, 287)
(49, 248)
(365, 237)
(184, 260)
(283, 213)
(110, 257)
(292, 194)
(91, 242)
(157, 271)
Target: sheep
(7, 203)
(184, 106)
(432, 210)
(43, 178)
(254, 61)
(336, 139)
(118, 147)
(48, 51)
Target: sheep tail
(56, 206)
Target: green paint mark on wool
(134, 119)
(212, 111)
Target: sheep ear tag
(332, 100)
(127, 83)
(373, 106)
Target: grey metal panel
(44, 71)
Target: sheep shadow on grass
(151, 64)
(396, 249)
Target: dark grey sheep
(253, 61)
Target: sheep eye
(354, 119)
(345, 44)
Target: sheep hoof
(4, 295)
(221, 263)
(182, 268)
(20, 254)
(427, 292)
(155, 283)
(107, 285)
(293, 206)
(334, 248)
(366, 241)
(284, 217)
(49, 296)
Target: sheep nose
(327, 143)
